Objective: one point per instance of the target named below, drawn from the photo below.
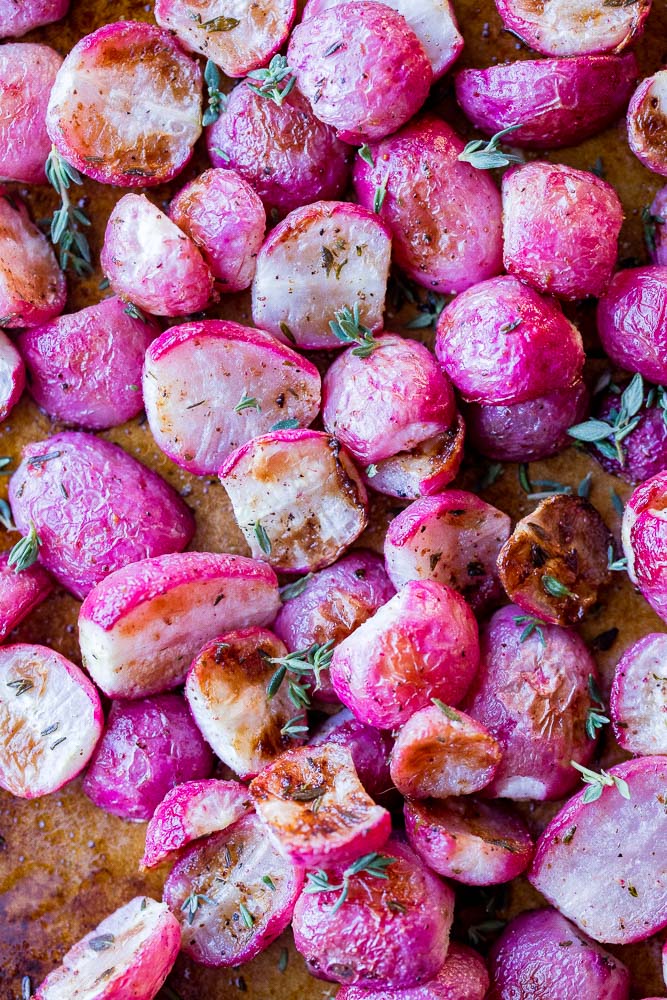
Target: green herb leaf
(374, 865)
(286, 425)
(531, 624)
(598, 782)
(492, 474)
(591, 430)
(446, 710)
(6, 519)
(348, 328)
(101, 942)
(379, 196)
(616, 565)
(247, 403)
(134, 311)
(616, 501)
(192, 904)
(485, 155)
(650, 223)
(217, 100)
(291, 590)
(584, 488)
(524, 478)
(283, 960)
(267, 880)
(366, 155)
(26, 551)
(263, 539)
(74, 247)
(246, 916)
(275, 83)
(555, 588)
(371, 470)
(295, 726)
(219, 23)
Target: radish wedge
(190, 811)
(610, 848)
(638, 702)
(647, 122)
(422, 472)
(20, 593)
(50, 720)
(27, 72)
(12, 376)
(462, 977)
(567, 28)
(233, 894)
(32, 286)
(316, 809)
(141, 626)
(129, 954)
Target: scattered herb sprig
(597, 782)
(531, 624)
(348, 328)
(485, 155)
(26, 551)
(66, 220)
(374, 865)
(304, 663)
(595, 716)
(275, 82)
(192, 903)
(217, 100)
(616, 565)
(608, 435)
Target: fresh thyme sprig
(217, 101)
(274, 82)
(616, 565)
(608, 434)
(374, 865)
(26, 551)
(595, 716)
(597, 782)
(296, 726)
(65, 232)
(192, 903)
(531, 624)
(487, 155)
(348, 328)
(303, 663)
(554, 587)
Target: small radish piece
(297, 498)
(558, 102)
(233, 894)
(422, 644)
(638, 702)
(32, 286)
(21, 592)
(151, 263)
(632, 321)
(444, 215)
(608, 843)
(125, 108)
(560, 229)
(18, 19)
(279, 147)
(425, 470)
(544, 951)
(190, 811)
(223, 216)
(236, 44)
(453, 538)
(441, 752)
(140, 628)
(557, 559)
(76, 484)
(12, 376)
(385, 927)
(462, 977)
(370, 749)
(149, 746)
(501, 342)
(656, 228)
(468, 840)
(27, 72)
(323, 258)
(562, 28)
(371, 79)
(228, 689)
(50, 720)
(130, 954)
(645, 541)
(433, 22)
(85, 368)
(209, 387)
(647, 122)
(412, 398)
(533, 692)
(640, 454)
(526, 432)
(315, 808)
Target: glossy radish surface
(16, 20)
(12, 376)
(565, 28)
(644, 533)
(20, 593)
(638, 702)
(27, 72)
(32, 286)
(631, 321)
(370, 749)
(462, 977)
(647, 122)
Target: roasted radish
(644, 533)
(370, 749)
(561, 28)
(21, 592)
(27, 72)
(631, 321)
(462, 977)
(19, 19)
(655, 221)
(638, 702)
(32, 286)
(425, 470)
(12, 376)
(647, 122)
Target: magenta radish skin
(228, 869)
(658, 209)
(201, 594)
(560, 229)
(190, 811)
(125, 108)
(534, 699)
(141, 942)
(623, 839)
(645, 448)
(373, 83)
(75, 479)
(644, 534)
(501, 342)
(261, 29)
(370, 749)
(27, 73)
(412, 399)
(638, 700)
(559, 102)
(422, 472)
(469, 840)
(85, 367)
(462, 977)
(453, 538)
(422, 644)
(227, 686)
(458, 207)
(563, 29)
(283, 151)
(542, 948)
(12, 376)
(647, 122)
(369, 943)
(209, 387)
(632, 321)
(322, 258)
(149, 746)
(18, 19)
(225, 219)
(20, 593)
(50, 720)
(151, 263)
(32, 286)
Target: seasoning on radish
(631, 321)
(424, 470)
(27, 72)
(638, 701)
(32, 286)
(647, 122)
(20, 592)
(564, 29)
(370, 749)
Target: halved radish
(297, 498)
(610, 846)
(441, 751)
(126, 105)
(20, 592)
(229, 692)
(18, 19)
(630, 321)
(128, 955)
(566, 28)
(321, 259)
(12, 376)
(370, 749)
(454, 538)
(233, 894)
(32, 286)
(468, 840)
(27, 72)
(644, 533)
(237, 43)
(210, 387)
(141, 626)
(462, 977)
(425, 470)
(315, 808)
(647, 122)
(50, 720)
(638, 702)
(190, 811)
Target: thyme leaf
(275, 82)
(554, 587)
(66, 220)
(263, 539)
(26, 551)
(597, 782)
(348, 328)
(486, 155)
(217, 100)
(373, 864)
